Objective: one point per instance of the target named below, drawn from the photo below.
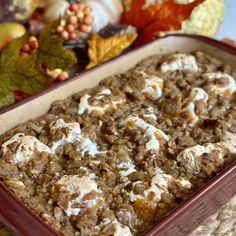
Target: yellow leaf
(101, 50)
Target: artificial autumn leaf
(157, 18)
(101, 50)
(51, 52)
(16, 73)
(27, 74)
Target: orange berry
(87, 10)
(88, 20)
(26, 48)
(70, 28)
(83, 28)
(89, 29)
(72, 20)
(80, 15)
(59, 29)
(63, 76)
(32, 39)
(74, 7)
(64, 34)
(63, 22)
(68, 12)
(73, 36)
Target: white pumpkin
(54, 9)
(104, 12)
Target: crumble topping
(117, 229)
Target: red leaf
(157, 17)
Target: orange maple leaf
(157, 18)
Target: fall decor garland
(153, 20)
(32, 62)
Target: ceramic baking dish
(187, 215)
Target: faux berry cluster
(77, 18)
(58, 74)
(30, 46)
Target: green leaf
(6, 99)
(27, 74)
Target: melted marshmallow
(223, 90)
(85, 106)
(115, 228)
(153, 87)
(150, 114)
(71, 134)
(159, 184)
(197, 94)
(128, 166)
(104, 92)
(81, 186)
(26, 147)
(155, 135)
(88, 146)
(189, 158)
(180, 62)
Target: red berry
(59, 29)
(34, 45)
(73, 36)
(81, 6)
(70, 28)
(74, 7)
(26, 48)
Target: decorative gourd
(19, 10)
(104, 12)
(54, 9)
(204, 20)
(10, 31)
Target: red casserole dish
(187, 215)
